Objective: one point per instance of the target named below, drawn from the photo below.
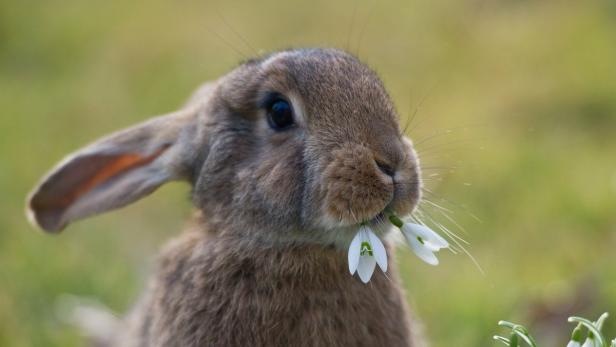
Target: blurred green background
(515, 118)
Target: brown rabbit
(286, 155)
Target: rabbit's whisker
(421, 216)
(351, 26)
(363, 28)
(443, 227)
(452, 203)
(236, 33)
(226, 42)
(456, 240)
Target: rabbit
(286, 155)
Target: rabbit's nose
(385, 167)
(357, 184)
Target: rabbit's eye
(279, 114)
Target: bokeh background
(513, 107)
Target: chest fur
(217, 295)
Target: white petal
(420, 250)
(590, 342)
(431, 246)
(366, 268)
(378, 250)
(573, 344)
(431, 236)
(426, 234)
(364, 231)
(354, 250)
(424, 254)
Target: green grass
(528, 89)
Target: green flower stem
(504, 340)
(601, 320)
(395, 220)
(520, 331)
(523, 334)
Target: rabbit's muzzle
(358, 186)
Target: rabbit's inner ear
(90, 184)
(87, 173)
(110, 167)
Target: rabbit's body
(286, 156)
(224, 291)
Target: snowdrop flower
(576, 337)
(592, 340)
(423, 241)
(365, 252)
(595, 337)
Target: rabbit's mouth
(355, 189)
(378, 219)
(381, 218)
(359, 188)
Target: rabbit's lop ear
(114, 171)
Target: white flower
(423, 241)
(366, 250)
(576, 337)
(591, 342)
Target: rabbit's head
(302, 144)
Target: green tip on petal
(577, 334)
(366, 249)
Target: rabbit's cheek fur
(355, 189)
(276, 188)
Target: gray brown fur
(265, 264)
